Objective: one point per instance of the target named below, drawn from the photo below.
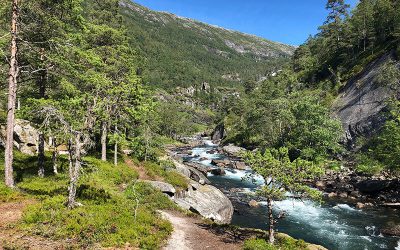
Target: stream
(334, 224)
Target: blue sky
(287, 21)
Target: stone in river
(254, 203)
(391, 230)
(218, 171)
(240, 165)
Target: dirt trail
(193, 234)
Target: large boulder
(391, 230)
(200, 167)
(181, 168)
(233, 150)
(166, 188)
(25, 137)
(373, 186)
(218, 171)
(198, 176)
(209, 202)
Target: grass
(117, 210)
(165, 171)
(283, 242)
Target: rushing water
(333, 224)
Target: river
(333, 224)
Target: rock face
(163, 187)
(209, 202)
(25, 137)
(219, 133)
(362, 101)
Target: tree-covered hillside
(185, 52)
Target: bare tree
(12, 91)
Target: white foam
(345, 207)
(398, 246)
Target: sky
(286, 21)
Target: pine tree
(12, 93)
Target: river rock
(373, 186)
(320, 185)
(221, 163)
(393, 230)
(332, 195)
(240, 165)
(254, 203)
(163, 187)
(200, 167)
(343, 195)
(209, 202)
(233, 150)
(198, 176)
(218, 171)
(360, 205)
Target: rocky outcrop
(349, 184)
(208, 201)
(166, 188)
(362, 102)
(25, 137)
(219, 133)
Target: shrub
(283, 242)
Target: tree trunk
(104, 141)
(12, 91)
(271, 236)
(116, 148)
(41, 156)
(116, 153)
(55, 156)
(74, 172)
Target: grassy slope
(109, 196)
(184, 52)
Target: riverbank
(336, 224)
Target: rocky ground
(362, 190)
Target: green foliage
(111, 224)
(347, 41)
(109, 216)
(7, 194)
(389, 75)
(283, 243)
(282, 175)
(184, 53)
(165, 171)
(272, 117)
(50, 186)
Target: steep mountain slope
(184, 52)
(362, 103)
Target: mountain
(184, 52)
